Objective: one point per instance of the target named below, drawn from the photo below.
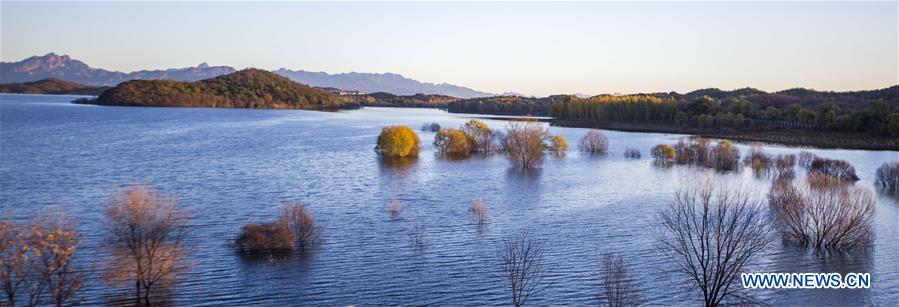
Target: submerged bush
(632, 153)
(302, 225)
(725, 156)
(294, 228)
(479, 211)
(758, 160)
(452, 143)
(839, 169)
(272, 237)
(559, 145)
(663, 153)
(430, 127)
(398, 142)
(888, 177)
(806, 158)
(824, 213)
(782, 168)
(594, 142)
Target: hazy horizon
(531, 48)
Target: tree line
(876, 117)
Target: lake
(235, 166)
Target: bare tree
(823, 212)
(712, 232)
(618, 288)
(522, 259)
(594, 142)
(524, 143)
(302, 224)
(146, 237)
(479, 211)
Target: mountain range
(63, 67)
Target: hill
(249, 88)
(51, 86)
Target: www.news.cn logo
(806, 280)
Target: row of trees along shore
(877, 117)
(146, 233)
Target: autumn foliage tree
(146, 236)
(480, 135)
(453, 143)
(398, 142)
(559, 145)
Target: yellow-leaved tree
(398, 142)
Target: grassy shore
(793, 137)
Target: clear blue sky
(531, 48)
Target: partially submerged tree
(302, 225)
(712, 232)
(479, 211)
(480, 135)
(663, 153)
(398, 142)
(839, 169)
(823, 212)
(524, 267)
(888, 177)
(395, 209)
(594, 142)
(452, 143)
(524, 143)
(559, 145)
(617, 286)
(146, 235)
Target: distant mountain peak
(62, 67)
(378, 82)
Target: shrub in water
(397, 142)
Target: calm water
(231, 167)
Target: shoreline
(789, 137)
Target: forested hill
(51, 86)
(249, 88)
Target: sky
(530, 48)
